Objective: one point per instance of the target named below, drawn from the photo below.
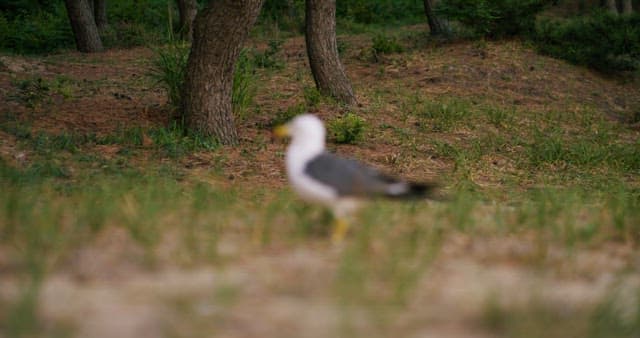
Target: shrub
(348, 129)
(383, 44)
(312, 96)
(380, 12)
(37, 31)
(32, 27)
(601, 41)
(269, 58)
(287, 15)
(169, 68)
(493, 18)
(244, 88)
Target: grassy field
(114, 224)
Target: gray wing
(348, 177)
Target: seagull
(337, 183)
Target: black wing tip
(417, 190)
(421, 189)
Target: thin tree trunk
(188, 10)
(612, 7)
(435, 25)
(219, 32)
(322, 50)
(100, 14)
(627, 6)
(84, 26)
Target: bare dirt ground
(285, 290)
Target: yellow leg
(339, 230)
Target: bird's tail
(409, 190)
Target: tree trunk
(322, 50)
(219, 32)
(84, 26)
(612, 7)
(435, 25)
(627, 7)
(188, 10)
(100, 14)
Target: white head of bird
(306, 131)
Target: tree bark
(627, 7)
(84, 26)
(219, 32)
(612, 7)
(100, 14)
(322, 50)
(188, 10)
(435, 25)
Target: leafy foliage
(289, 14)
(32, 27)
(379, 12)
(383, 44)
(493, 19)
(348, 129)
(35, 31)
(269, 58)
(602, 41)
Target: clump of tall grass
(169, 69)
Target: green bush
(380, 12)
(32, 27)
(37, 31)
(348, 129)
(288, 15)
(602, 41)
(493, 18)
(383, 44)
(270, 57)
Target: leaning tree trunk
(219, 31)
(322, 49)
(100, 14)
(188, 10)
(627, 6)
(435, 25)
(84, 26)
(612, 7)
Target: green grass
(537, 318)
(169, 70)
(347, 129)
(44, 221)
(34, 92)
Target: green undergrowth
(44, 222)
(170, 142)
(555, 148)
(607, 318)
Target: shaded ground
(287, 288)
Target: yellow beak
(281, 131)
